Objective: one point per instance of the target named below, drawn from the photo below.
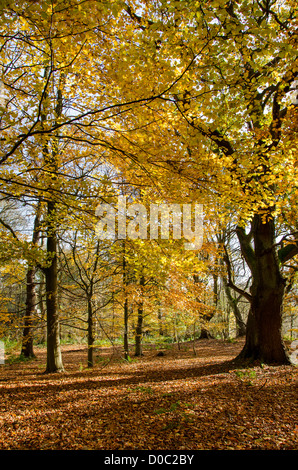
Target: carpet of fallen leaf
(179, 401)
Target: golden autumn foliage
(167, 102)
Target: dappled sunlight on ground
(177, 401)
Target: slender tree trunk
(54, 357)
(241, 326)
(139, 328)
(125, 309)
(90, 333)
(125, 335)
(263, 337)
(90, 290)
(215, 290)
(194, 339)
(160, 322)
(43, 334)
(27, 342)
(204, 333)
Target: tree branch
(9, 228)
(246, 248)
(230, 282)
(288, 252)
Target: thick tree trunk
(263, 337)
(204, 334)
(54, 357)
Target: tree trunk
(241, 327)
(43, 334)
(125, 282)
(263, 336)
(160, 322)
(90, 334)
(204, 333)
(215, 290)
(139, 328)
(27, 343)
(125, 335)
(54, 357)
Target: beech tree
(88, 270)
(48, 99)
(239, 104)
(234, 113)
(191, 101)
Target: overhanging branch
(230, 282)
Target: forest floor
(179, 401)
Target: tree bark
(43, 334)
(240, 324)
(27, 342)
(54, 357)
(263, 336)
(160, 322)
(125, 335)
(204, 333)
(139, 328)
(90, 333)
(125, 309)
